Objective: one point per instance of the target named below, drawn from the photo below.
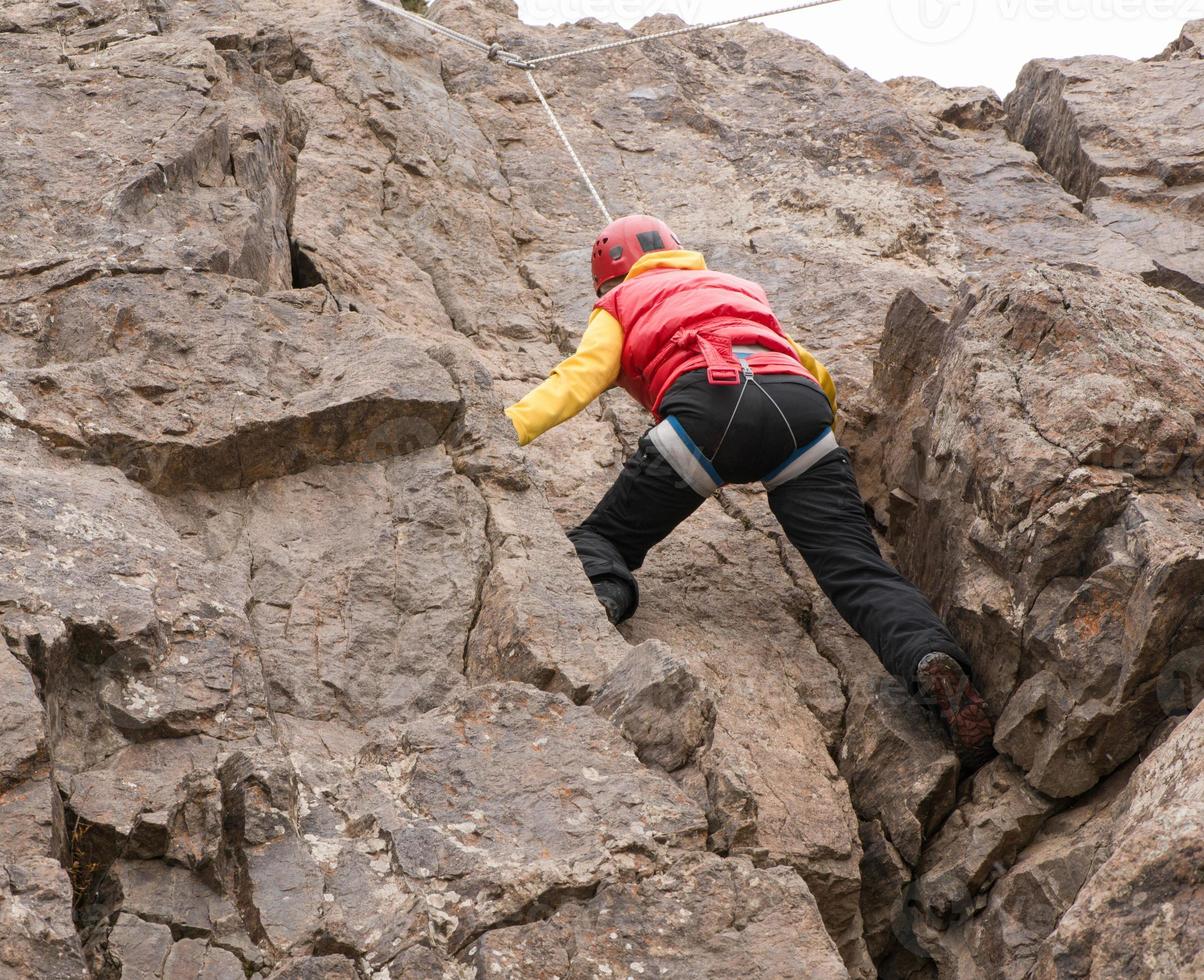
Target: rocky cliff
(301, 677)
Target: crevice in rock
(539, 909)
(1026, 415)
(86, 850)
(305, 271)
(34, 268)
(478, 602)
(89, 852)
(94, 272)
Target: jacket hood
(668, 259)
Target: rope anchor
(495, 52)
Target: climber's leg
(645, 504)
(823, 515)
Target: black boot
(617, 598)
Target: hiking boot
(943, 685)
(615, 596)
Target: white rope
(496, 52)
(430, 24)
(569, 146)
(689, 29)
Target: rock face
(301, 677)
(1124, 137)
(1054, 516)
(708, 918)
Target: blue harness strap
(802, 460)
(685, 457)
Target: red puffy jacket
(679, 320)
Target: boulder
(703, 917)
(1068, 550)
(1155, 851)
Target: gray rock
(508, 800)
(254, 388)
(884, 880)
(350, 623)
(1064, 564)
(1189, 43)
(1002, 936)
(1155, 851)
(542, 626)
(658, 705)
(37, 935)
(138, 948)
(191, 958)
(965, 108)
(1125, 138)
(974, 847)
(900, 769)
(703, 917)
(22, 734)
(316, 968)
(136, 638)
(267, 544)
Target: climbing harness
(699, 473)
(495, 52)
(697, 469)
(747, 373)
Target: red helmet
(623, 242)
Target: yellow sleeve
(574, 382)
(818, 370)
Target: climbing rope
(569, 146)
(495, 52)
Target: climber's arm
(819, 372)
(574, 382)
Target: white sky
(954, 42)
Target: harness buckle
(723, 375)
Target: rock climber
(736, 400)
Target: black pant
(821, 511)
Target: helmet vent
(616, 253)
